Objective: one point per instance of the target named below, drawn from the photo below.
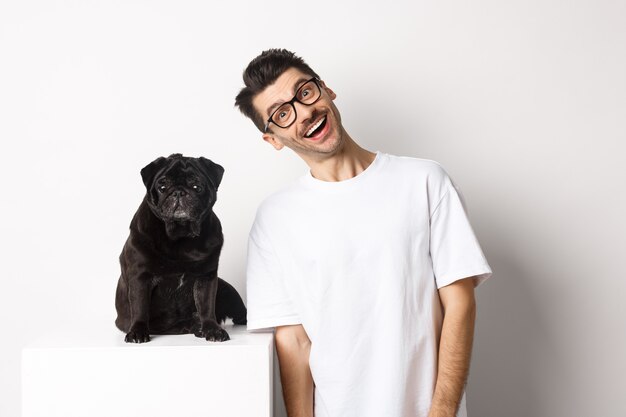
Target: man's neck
(348, 162)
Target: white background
(523, 102)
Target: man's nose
(304, 111)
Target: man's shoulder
(412, 166)
(280, 200)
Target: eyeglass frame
(290, 102)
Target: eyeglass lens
(308, 93)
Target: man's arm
(455, 346)
(293, 347)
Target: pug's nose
(179, 193)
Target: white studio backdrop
(523, 102)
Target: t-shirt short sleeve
(269, 304)
(454, 248)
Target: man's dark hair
(263, 71)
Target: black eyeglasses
(285, 115)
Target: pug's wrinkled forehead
(163, 166)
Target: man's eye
(282, 115)
(305, 92)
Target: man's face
(317, 131)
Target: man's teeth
(315, 126)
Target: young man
(366, 266)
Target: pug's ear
(214, 171)
(149, 171)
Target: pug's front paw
(212, 332)
(138, 333)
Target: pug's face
(181, 192)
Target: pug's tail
(229, 304)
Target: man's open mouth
(316, 128)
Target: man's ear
(330, 92)
(272, 141)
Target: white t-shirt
(358, 264)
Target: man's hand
(455, 346)
(293, 347)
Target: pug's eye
(197, 188)
(161, 188)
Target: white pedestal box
(99, 375)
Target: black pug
(169, 282)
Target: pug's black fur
(169, 282)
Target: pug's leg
(204, 293)
(139, 289)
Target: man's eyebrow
(297, 85)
